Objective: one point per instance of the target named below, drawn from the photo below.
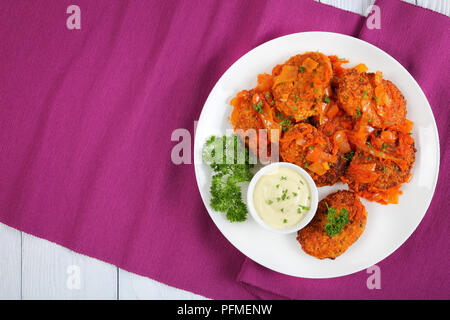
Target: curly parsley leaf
(230, 162)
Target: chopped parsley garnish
(269, 202)
(285, 123)
(312, 84)
(358, 113)
(277, 186)
(369, 144)
(349, 156)
(284, 194)
(301, 207)
(326, 99)
(258, 106)
(283, 178)
(301, 69)
(294, 194)
(365, 94)
(284, 220)
(335, 222)
(224, 155)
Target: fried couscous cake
(334, 174)
(339, 221)
(309, 148)
(245, 117)
(388, 102)
(381, 101)
(377, 171)
(301, 84)
(354, 92)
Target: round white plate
(388, 226)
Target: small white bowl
(312, 187)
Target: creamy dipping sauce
(282, 198)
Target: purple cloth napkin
(86, 118)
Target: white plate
(387, 227)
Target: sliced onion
(340, 138)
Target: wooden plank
(50, 271)
(442, 6)
(359, 7)
(133, 286)
(411, 1)
(10, 261)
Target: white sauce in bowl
(282, 197)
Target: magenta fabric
(86, 118)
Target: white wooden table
(32, 268)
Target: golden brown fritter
(334, 174)
(368, 169)
(369, 93)
(388, 102)
(309, 148)
(244, 115)
(375, 172)
(301, 84)
(354, 91)
(313, 238)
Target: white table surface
(33, 268)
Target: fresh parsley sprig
(230, 162)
